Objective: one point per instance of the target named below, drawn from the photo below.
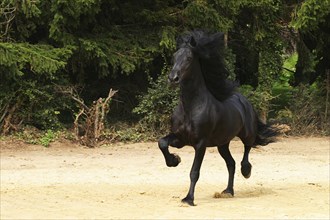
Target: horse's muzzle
(173, 78)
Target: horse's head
(182, 62)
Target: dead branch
(8, 12)
(8, 117)
(73, 94)
(76, 124)
(4, 113)
(80, 102)
(89, 121)
(96, 118)
(100, 109)
(105, 108)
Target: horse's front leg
(172, 160)
(194, 174)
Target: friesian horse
(210, 111)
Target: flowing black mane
(209, 48)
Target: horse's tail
(265, 133)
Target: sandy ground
(290, 180)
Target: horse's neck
(193, 91)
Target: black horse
(210, 112)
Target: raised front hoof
(227, 193)
(173, 160)
(188, 201)
(246, 170)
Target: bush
(260, 100)
(306, 114)
(156, 106)
(32, 135)
(28, 74)
(47, 138)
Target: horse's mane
(210, 50)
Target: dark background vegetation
(277, 50)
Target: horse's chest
(186, 131)
(191, 128)
(187, 127)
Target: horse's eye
(189, 58)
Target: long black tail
(266, 134)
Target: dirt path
(290, 180)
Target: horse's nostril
(174, 78)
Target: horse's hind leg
(230, 162)
(172, 160)
(245, 164)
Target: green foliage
(168, 41)
(260, 99)
(31, 135)
(109, 43)
(281, 88)
(311, 20)
(265, 45)
(289, 66)
(306, 112)
(157, 104)
(36, 59)
(111, 54)
(69, 17)
(24, 11)
(270, 67)
(47, 138)
(310, 14)
(27, 75)
(73, 42)
(201, 14)
(97, 44)
(134, 133)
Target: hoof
(188, 201)
(246, 170)
(173, 161)
(225, 194)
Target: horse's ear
(192, 42)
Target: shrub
(260, 100)
(47, 138)
(307, 114)
(156, 106)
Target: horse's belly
(225, 129)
